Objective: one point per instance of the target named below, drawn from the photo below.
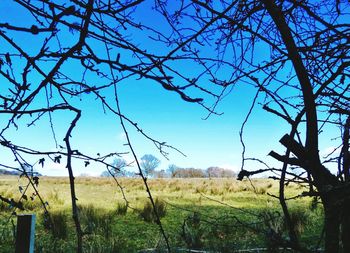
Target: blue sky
(160, 113)
(165, 117)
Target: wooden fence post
(25, 233)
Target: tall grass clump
(98, 244)
(54, 198)
(57, 223)
(273, 225)
(299, 219)
(32, 204)
(96, 220)
(7, 236)
(276, 226)
(261, 190)
(192, 231)
(147, 213)
(122, 208)
(3, 206)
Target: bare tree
(149, 163)
(172, 170)
(219, 172)
(119, 164)
(296, 55)
(53, 57)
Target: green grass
(201, 213)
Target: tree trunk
(345, 225)
(332, 228)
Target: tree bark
(345, 225)
(332, 228)
(302, 75)
(345, 218)
(310, 154)
(75, 212)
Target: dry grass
(104, 193)
(104, 215)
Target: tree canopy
(149, 163)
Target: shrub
(222, 238)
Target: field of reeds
(221, 215)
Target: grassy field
(209, 214)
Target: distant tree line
(18, 172)
(211, 172)
(149, 163)
(8, 172)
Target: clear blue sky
(161, 114)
